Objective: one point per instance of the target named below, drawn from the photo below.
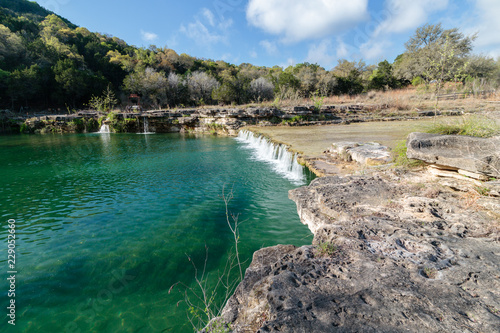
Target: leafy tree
(24, 84)
(200, 86)
(286, 81)
(75, 83)
(480, 66)
(105, 102)
(261, 89)
(150, 84)
(444, 65)
(307, 74)
(11, 46)
(176, 90)
(382, 78)
(425, 51)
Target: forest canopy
(48, 62)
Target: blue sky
(283, 32)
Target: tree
(307, 74)
(481, 67)
(327, 84)
(444, 65)
(11, 45)
(105, 102)
(425, 49)
(176, 90)
(261, 89)
(24, 84)
(200, 86)
(152, 85)
(382, 78)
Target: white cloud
(488, 26)
(290, 62)
(253, 54)
(322, 53)
(205, 30)
(404, 15)
(209, 16)
(342, 51)
(148, 36)
(297, 20)
(375, 49)
(270, 47)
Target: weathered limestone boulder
(404, 255)
(370, 153)
(475, 155)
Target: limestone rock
(370, 153)
(477, 155)
(408, 255)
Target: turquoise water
(105, 225)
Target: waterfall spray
(283, 161)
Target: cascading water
(145, 124)
(104, 129)
(283, 161)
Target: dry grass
(469, 199)
(400, 101)
(405, 100)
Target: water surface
(106, 223)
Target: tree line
(45, 61)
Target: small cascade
(104, 129)
(145, 122)
(283, 161)
(146, 125)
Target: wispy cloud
(148, 36)
(297, 20)
(322, 53)
(206, 29)
(404, 15)
(270, 47)
(487, 25)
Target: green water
(105, 224)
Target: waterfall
(104, 129)
(283, 161)
(146, 125)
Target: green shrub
(317, 100)
(92, 125)
(24, 128)
(417, 81)
(400, 159)
(326, 249)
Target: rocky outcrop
(395, 252)
(222, 120)
(477, 156)
(370, 153)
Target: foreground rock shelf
(395, 251)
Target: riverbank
(222, 121)
(394, 250)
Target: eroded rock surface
(476, 155)
(370, 153)
(404, 253)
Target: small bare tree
(207, 298)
